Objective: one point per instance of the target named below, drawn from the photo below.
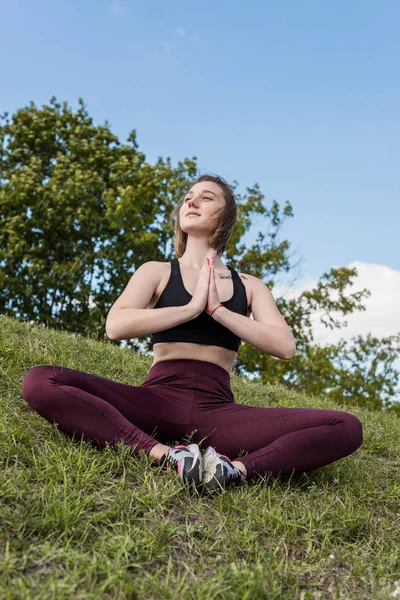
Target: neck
(218, 264)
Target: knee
(355, 431)
(33, 384)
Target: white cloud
(381, 317)
(116, 7)
(180, 31)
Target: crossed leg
(276, 440)
(279, 440)
(103, 410)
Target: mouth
(192, 214)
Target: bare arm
(268, 330)
(127, 323)
(129, 318)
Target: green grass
(78, 522)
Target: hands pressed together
(213, 297)
(205, 297)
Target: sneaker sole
(195, 473)
(214, 476)
(213, 473)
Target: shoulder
(154, 264)
(151, 265)
(254, 284)
(246, 277)
(161, 267)
(248, 282)
(153, 269)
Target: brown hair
(219, 239)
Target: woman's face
(207, 200)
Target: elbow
(290, 352)
(113, 329)
(109, 333)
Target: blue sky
(301, 97)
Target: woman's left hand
(213, 298)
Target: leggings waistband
(190, 365)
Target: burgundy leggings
(190, 398)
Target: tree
(80, 212)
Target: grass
(78, 522)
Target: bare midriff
(224, 357)
(176, 350)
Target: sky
(301, 97)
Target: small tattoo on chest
(222, 276)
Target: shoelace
(232, 474)
(234, 477)
(173, 460)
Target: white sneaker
(218, 471)
(186, 461)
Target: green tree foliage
(80, 212)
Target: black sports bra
(203, 329)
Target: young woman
(202, 309)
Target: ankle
(239, 465)
(158, 451)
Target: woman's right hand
(200, 297)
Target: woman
(203, 309)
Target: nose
(190, 203)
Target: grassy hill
(78, 522)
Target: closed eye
(204, 197)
